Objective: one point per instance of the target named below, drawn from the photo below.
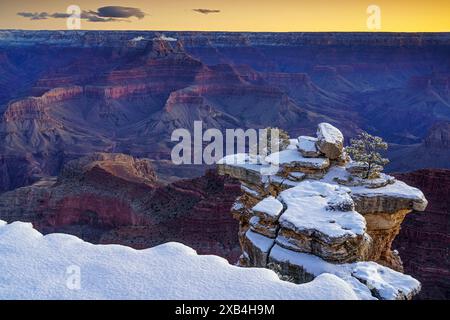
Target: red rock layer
(34, 108)
(115, 199)
(424, 240)
(195, 212)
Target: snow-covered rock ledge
(314, 203)
(33, 266)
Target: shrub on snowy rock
(365, 151)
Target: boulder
(330, 141)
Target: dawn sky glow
(233, 15)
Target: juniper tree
(364, 149)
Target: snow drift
(33, 266)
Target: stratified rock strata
(117, 199)
(324, 218)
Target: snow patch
(137, 39)
(250, 163)
(364, 277)
(269, 206)
(397, 189)
(307, 144)
(314, 188)
(294, 158)
(250, 191)
(308, 209)
(237, 205)
(34, 266)
(386, 283)
(292, 144)
(164, 38)
(316, 266)
(259, 241)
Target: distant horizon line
(223, 31)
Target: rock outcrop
(101, 190)
(34, 108)
(438, 136)
(330, 141)
(308, 215)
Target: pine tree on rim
(364, 150)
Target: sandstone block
(330, 141)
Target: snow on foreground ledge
(33, 266)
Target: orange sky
(242, 15)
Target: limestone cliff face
(34, 107)
(118, 91)
(424, 240)
(96, 190)
(9, 164)
(311, 214)
(438, 136)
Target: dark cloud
(34, 15)
(103, 14)
(120, 12)
(58, 15)
(206, 11)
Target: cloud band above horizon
(103, 14)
